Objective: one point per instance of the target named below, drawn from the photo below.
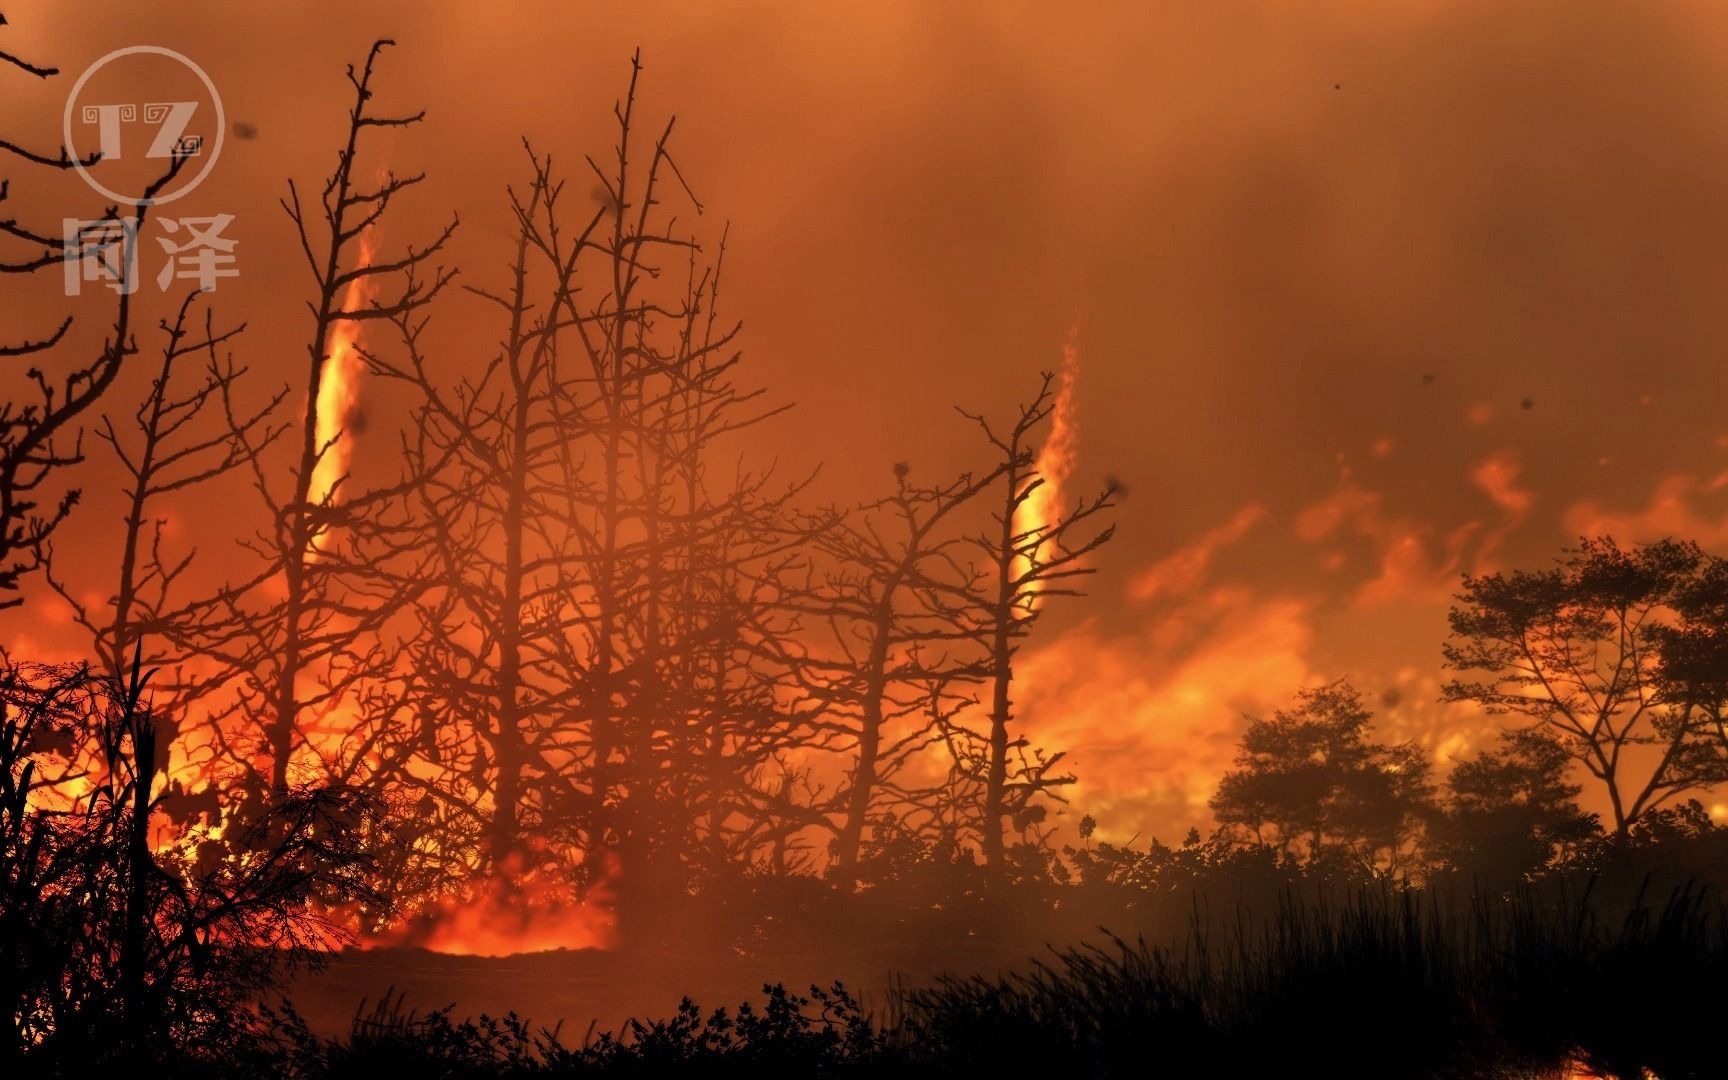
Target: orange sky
(1269, 223)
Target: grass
(1379, 982)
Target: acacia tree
(1693, 659)
(1576, 652)
(1030, 561)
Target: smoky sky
(1405, 291)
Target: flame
(515, 912)
(339, 390)
(1150, 709)
(1059, 454)
(1150, 716)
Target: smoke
(516, 910)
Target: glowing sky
(1319, 256)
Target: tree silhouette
(1578, 652)
(121, 930)
(1511, 812)
(1310, 784)
(120, 940)
(1030, 562)
(34, 434)
(595, 688)
(896, 599)
(494, 491)
(1693, 650)
(311, 647)
(170, 447)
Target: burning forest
(431, 616)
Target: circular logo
(169, 129)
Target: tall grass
(1382, 982)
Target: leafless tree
(894, 597)
(170, 447)
(315, 646)
(590, 686)
(39, 438)
(495, 513)
(1030, 561)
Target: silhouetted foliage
(1602, 655)
(1309, 784)
(1511, 811)
(822, 1034)
(1423, 984)
(125, 933)
(1433, 985)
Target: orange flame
(1059, 454)
(339, 390)
(514, 913)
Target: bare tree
(1030, 562)
(171, 448)
(38, 438)
(589, 683)
(894, 601)
(494, 502)
(673, 564)
(335, 595)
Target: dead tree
(169, 448)
(1030, 561)
(708, 718)
(590, 693)
(39, 441)
(893, 598)
(669, 560)
(335, 596)
(152, 618)
(493, 506)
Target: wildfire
(513, 912)
(1061, 450)
(339, 391)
